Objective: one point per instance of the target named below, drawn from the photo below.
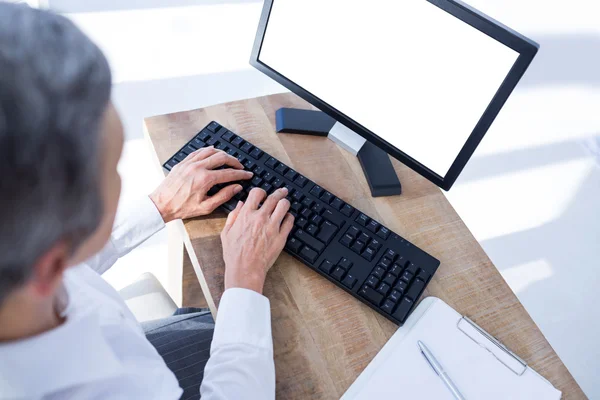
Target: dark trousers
(183, 341)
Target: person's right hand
(253, 238)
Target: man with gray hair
(64, 332)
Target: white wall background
(530, 195)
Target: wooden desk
(324, 338)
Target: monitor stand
(376, 164)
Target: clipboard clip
(509, 359)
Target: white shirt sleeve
(135, 222)
(241, 362)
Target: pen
(437, 367)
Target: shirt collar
(69, 355)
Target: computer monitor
(422, 80)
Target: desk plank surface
(324, 338)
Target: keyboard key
(423, 275)
(327, 267)
(373, 226)
(281, 168)
(256, 181)
(415, 289)
(256, 153)
(363, 237)
(339, 273)
(247, 148)
(390, 279)
(326, 197)
(358, 246)
(227, 136)
(401, 286)
(306, 213)
(291, 175)
(308, 254)
(349, 281)
(346, 240)
(395, 296)
(345, 263)
(237, 142)
(249, 165)
(190, 148)
(318, 208)
(384, 288)
(401, 261)
(309, 240)
(241, 158)
(412, 268)
(371, 295)
(383, 233)
(301, 223)
(290, 190)
(316, 191)
(278, 183)
(372, 281)
(267, 187)
(301, 181)
(386, 262)
(396, 269)
(232, 152)
(337, 203)
(271, 162)
(213, 126)
(307, 202)
(379, 272)
(259, 171)
(204, 135)
(296, 206)
(368, 254)
(198, 143)
(316, 219)
(180, 156)
(403, 309)
(391, 254)
(312, 230)
(353, 231)
(406, 276)
(294, 245)
(328, 231)
(347, 210)
(388, 306)
(375, 244)
(335, 219)
(362, 219)
(268, 177)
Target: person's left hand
(183, 193)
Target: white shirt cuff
(137, 222)
(244, 316)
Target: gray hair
(55, 86)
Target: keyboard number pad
(396, 279)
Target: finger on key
(201, 154)
(219, 159)
(254, 198)
(273, 199)
(286, 225)
(230, 175)
(232, 217)
(281, 210)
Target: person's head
(60, 141)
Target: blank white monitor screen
(406, 70)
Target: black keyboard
(346, 246)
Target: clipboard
(479, 364)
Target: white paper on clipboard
(480, 366)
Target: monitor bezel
(519, 43)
